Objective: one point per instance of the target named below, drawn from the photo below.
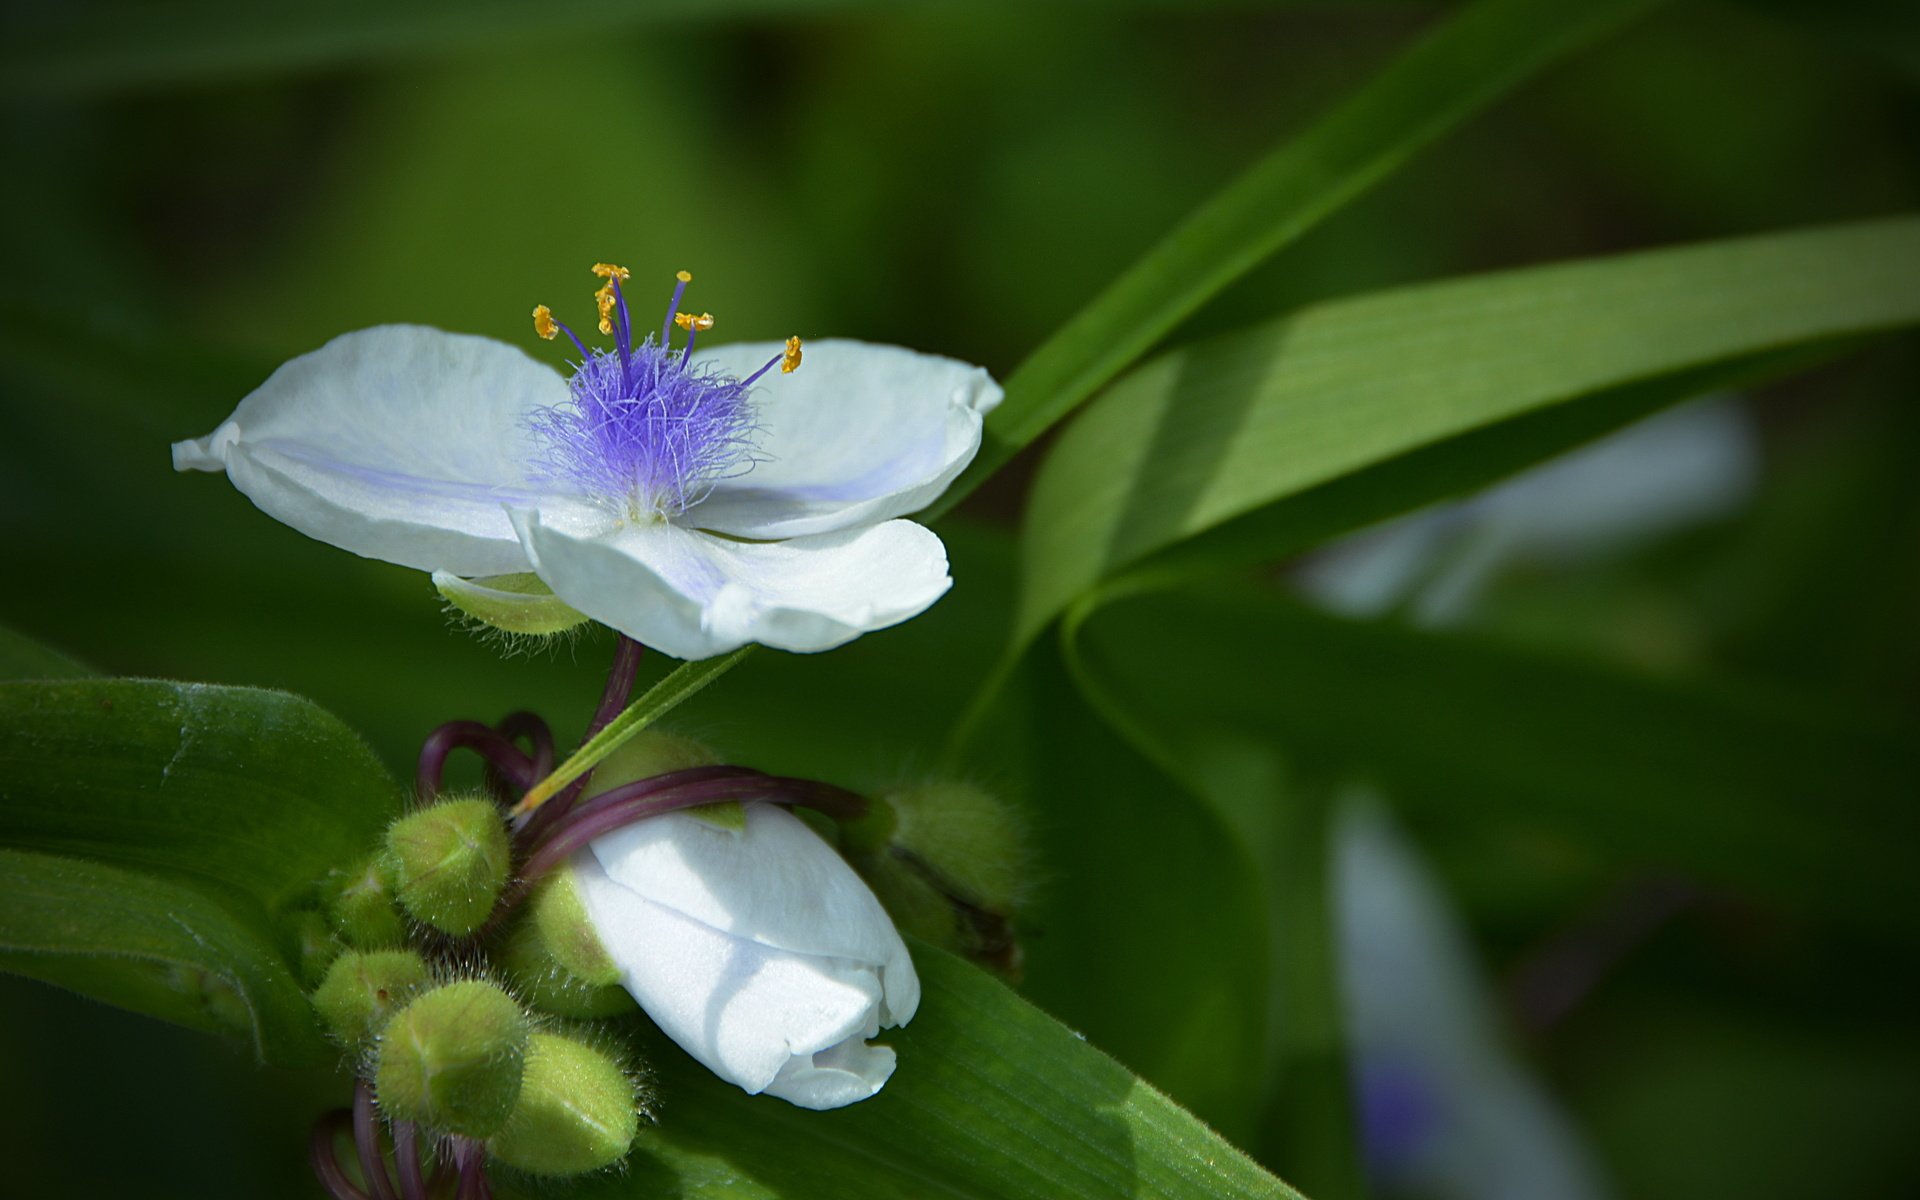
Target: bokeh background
(195, 192)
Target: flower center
(644, 430)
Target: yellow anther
(684, 276)
(543, 322)
(699, 324)
(604, 298)
(790, 361)
(609, 271)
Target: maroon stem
(406, 1155)
(489, 743)
(539, 735)
(366, 1140)
(323, 1153)
(666, 793)
(619, 690)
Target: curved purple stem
(366, 1140)
(501, 754)
(642, 788)
(666, 793)
(406, 1155)
(470, 1157)
(323, 1153)
(524, 724)
(619, 690)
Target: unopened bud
(556, 958)
(949, 861)
(360, 905)
(452, 1059)
(449, 862)
(578, 1111)
(314, 945)
(362, 991)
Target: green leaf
(1803, 803)
(255, 790)
(23, 658)
(1220, 430)
(1480, 55)
(127, 46)
(157, 946)
(992, 1098)
(660, 699)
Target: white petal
(858, 434)
(399, 442)
(835, 1077)
(775, 883)
(746, 1011)
(693, 595)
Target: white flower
(657, 490)
(757, 949)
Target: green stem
(679, 685)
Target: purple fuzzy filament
(643, 434)
(501, 754)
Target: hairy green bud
(314, 945)
(557, 958)
(362, 990)
(949, 862)
(452, 1059)
(360, 905)
(578, 1111)
(449, 863)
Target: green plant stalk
(663, 697)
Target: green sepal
(518, 604)
(449, 862)
(452, 1059)
(948, 860)
(315, 945)
(557, 960)
(362, 991)
(360, 904)
(578, 1111)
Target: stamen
(690, 323)
(787, 360)
(546, 325)
(673, 306)
(626, 331)
(608, 296)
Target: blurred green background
(960, 179)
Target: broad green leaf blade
(1221, 429)
(256, 790)
(1478, 56)
(23, 658)
(158, 946)
(1801, 803)
(660, 699)
(992, 1099)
